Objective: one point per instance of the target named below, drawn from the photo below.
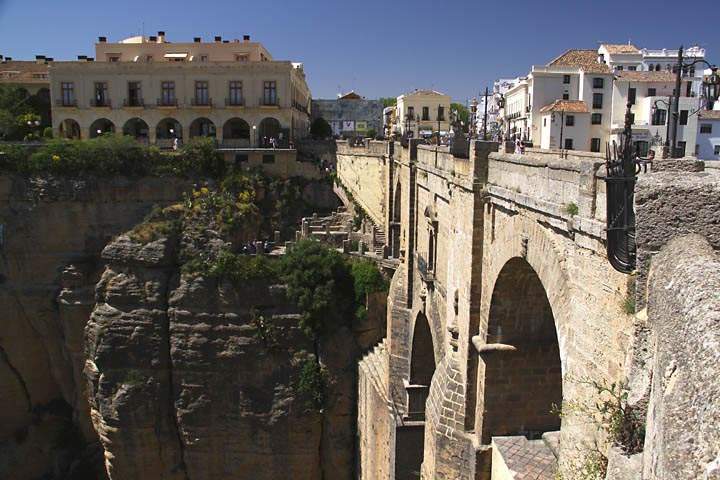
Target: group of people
(271, 142)
(519, 146)
(250, 248)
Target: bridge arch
(522, 260)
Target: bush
(48, 133)
(199, 157)
(571, 208)
(319, 282)
(366, 279)
(320, 129)
(312, 383)
(236, 268)
(157, 224)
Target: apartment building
(605, 80)
(158, 91)
(350, 114)
(708, 138)
(421, 112)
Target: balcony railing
(66, 102)
(167, 102)
(96, 102)
(269, 101)
(235, 143)
(417, 396)
(133, 102)
(298, 106)
(201, 102)
(234, 102)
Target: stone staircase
(379, 241)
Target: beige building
(159, 91)
(422, 112)
(32, 76)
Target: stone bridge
(503, 308)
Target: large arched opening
(167, 131)
(101, 126)
(236, 133)
(396, 222)
(410, 437)
(269, 129)
(202, 127)
(69, 129)
(523, 372)
(136, 128)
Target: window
(270, 93)
(652, 92)
(597, 100)
(268, 158)
(659, 117)
(688, 90)
(203, 58)
(683, 117)
(658, 67)
(426, 113)
(241, 58)
(134, 94)
(632, 119)
(101, 96)
(441, 114)
(570, 120)
(167, 91)
(706, 128)
(596, 118)
(113, 58)
(651, 67)
(67, 93)
(202, 94)
(566, 79)
(632, 96)
(411, 113)
(566, 96)
(149, 58)
(717, 150)
(545, 122)
(632, 68)
(240, 158)
(568, 144)
(595, 145)
(598, 82)
(236, 93)
(620, 68)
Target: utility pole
(676, 104)
(485, 115)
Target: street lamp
(711, 90)
(254, 135)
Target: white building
(708, 138)
(605, 80)
(500, 88)
(422, 112)
(566, 124)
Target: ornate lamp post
(711, 90)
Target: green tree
(320, 128)
(388, 101)
(318, 280)
(462, 113)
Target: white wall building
(708, 138)
(566, 125)
(422, 112)
(500, 87)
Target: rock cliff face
(119, 364)
(51, 234)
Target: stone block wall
(363, 172)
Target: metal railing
(133, 102)
(167, 102)
(235, 102)
(201, 102)
(105, 102)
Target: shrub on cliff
(319, 282)
(320, 129)
(366, 279)
(199, 157)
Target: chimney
(152, 38)
(8, 59)
(82, 57)
(161, 36)
(226, 41)
(246, 38)
(49, 59)
(90, 59)
(197, 39)
(102, 39)
(39, 58)
(218, 38)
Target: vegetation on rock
(320, 129)
(312, 382)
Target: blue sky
(378, 48)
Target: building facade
(422, 112)
(708, 138)
(163, 93)
(350, 115)
(606, 80)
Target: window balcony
(201, 102)
(66, 102)
(269, 102)
(417, 396)
(167, 102)
(100, 103)
(235, 102)
(133, 102)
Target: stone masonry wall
(363, 172)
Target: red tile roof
(620, 48)
(570, 106)
(584, 59)
(710, 114)
(663, 76)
